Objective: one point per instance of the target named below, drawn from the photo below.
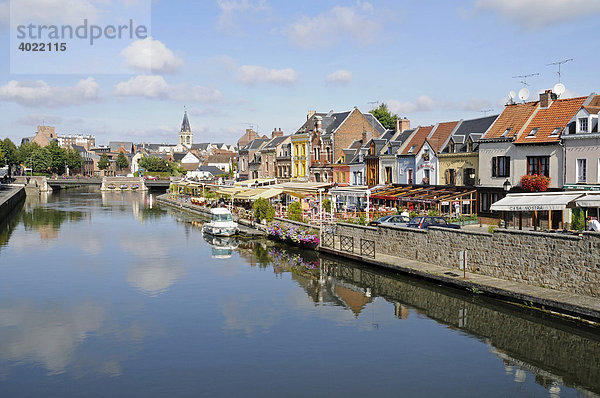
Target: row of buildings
(554, 137)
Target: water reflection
(221, 246)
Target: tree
(58, 157)
(39, 160)
(103, 162)
(74, 160)
(327, 205)
(577, 219)
(122, 161)
(26, 150)
(263, 210)
(385, 117)
(295, 212)
(154, 164)
(11, 154)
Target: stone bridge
(123, 184)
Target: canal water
(109, 294)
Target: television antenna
(559, 63)
(525, 77)
(252, 125)
(372, 103)
(486, 111)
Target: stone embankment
(10, 197)
(564, 262)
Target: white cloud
(39, 119)
(232, 11)
(39, 93)
(252, 74)
(358, 22)
(537, 13)
(341, 76)
(151, 56)
(156, 87)
(425, 103)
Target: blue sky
(266, 63)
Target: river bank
(10, 197)
(565, 303)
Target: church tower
(186, 137)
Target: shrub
(412, 214)
(263, 210)
(432, 213)
(491, 228)
(327, 205)
(577, 219)
(295, 212)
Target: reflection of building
(401, 311)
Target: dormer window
(555, 132)
(412, 148)
(583, 125)
(505, 132)
(533, 132)
(372, 149)
(469, 145)
(452, 147)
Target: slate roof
(557, 115)
(202, 146)
(178, 156)
(256, 143)
(375, 123)
(514, 117)
(272, 144)
(219, 158)
(417, 140)
(116, 145)
(185, 125)
(474, 128)
(215, 171)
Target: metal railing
(347, 244)
(367, 247)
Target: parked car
(397, 220)
(426, 222)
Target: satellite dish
(523, 94)
(559, 89)
(512, 94)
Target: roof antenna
(485, 111)
(524, 78)
(559, 63)
(373, 103)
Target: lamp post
(507, 185)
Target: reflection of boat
(123, 186)
(221, 223)
(222, 246)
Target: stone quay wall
(123, 183)
(564, 262)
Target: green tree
(11, 154)
(39, 160)
(263, 210)
(577, 219)
(26, 150)
(154, 163)
(74, 160)
(327, 205)
(58, 157)
(295, 212)
(122, 161)
(385, 117)
(103, 162)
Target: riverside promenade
(569, 304)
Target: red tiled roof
(513, 117)
(417, 140)
(557, 115)
(440, 135)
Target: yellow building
(300, 158)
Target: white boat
(221, 223)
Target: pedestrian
(593, 224)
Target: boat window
(221, 217)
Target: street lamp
(507, 185)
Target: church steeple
(186, 137)
(185, 125)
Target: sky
(235, 64)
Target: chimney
(546, 99)
(318, 123)
(310, 114)
(276, 133)
(402, 124)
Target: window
(412, 148)
(426, 174)
(410, 176)
(469, 145)
(317, 151)
(485, 203)
(451, 177)
(469, 176)
(555, 132)
(581, 170)
(505, 132)
(328, 150)
(533, 132)
(583, 125)
(388, 175)
(452, 147)
(501, 166)
(539, 165)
